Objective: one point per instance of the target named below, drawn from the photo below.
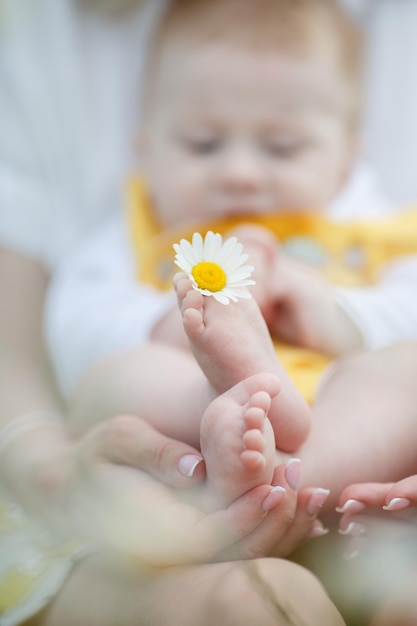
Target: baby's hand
(262, 247)
(305, 310)
(297, 302)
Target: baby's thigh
(233, 594)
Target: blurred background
(390, 124)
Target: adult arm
(31, 462)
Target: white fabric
(387, 312)
(96, 306)
(41, 559)
(69, 104)
(391, 96)
(390, 120)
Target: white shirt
(69, 105)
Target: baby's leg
(231, 343)
(271, 592)
(237, 440)
(364, 422)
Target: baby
(251, 116)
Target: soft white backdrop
(390, 125)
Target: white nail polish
(396, 504)
(351, 505)
(349, 556)
(187, 465)
(354, 529)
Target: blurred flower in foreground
(214, 267)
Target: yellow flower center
(209, 276)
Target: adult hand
(107, 488)
(163, 526)
(66, 483)
(375, 509)
(379, 521)
(168, 527)
(290, 522)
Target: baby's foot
(237, 440)
(231, 343)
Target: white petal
(228, 248)
(241, 283)
(198, 247)
(235, 293)
(183, 265)
(231, 254)
(221, 297)
(212, 246)
(232, 263)
(240, 274)
(188, 252)
(233, 271)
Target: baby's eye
(202, 145)
(283, 149)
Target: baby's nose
(241, 171)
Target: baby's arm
(299, 305)
(312, 312)
(307, 311)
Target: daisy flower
(215, 268)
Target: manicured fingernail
(317, 530)
(349, 556)
(353, 530)
(396, 504)
(317, 499)
(273, 498)
(293, 473)
(351, 505)
(188, 463)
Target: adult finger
(290, 522)
(306, 524)
(273, 529)
(130, 440)
(172, 531)
(355, 498)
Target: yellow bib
(350, 254)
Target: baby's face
(236, 132)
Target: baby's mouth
(237, 208)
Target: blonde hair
(295, 26)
